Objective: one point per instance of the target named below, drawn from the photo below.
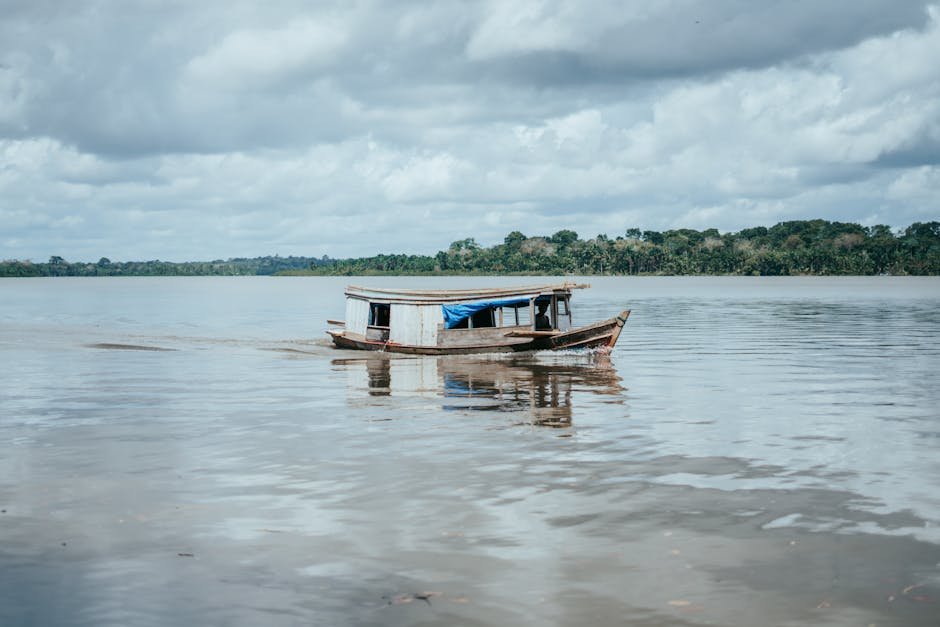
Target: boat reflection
(540, 389)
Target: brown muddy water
(191, 451)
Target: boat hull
(601, 336)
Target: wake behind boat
(438, 322)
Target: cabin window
(511, 315)
(379, 314)
(482, 318)
(563, 315)
(503, 317)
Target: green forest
(57, 266)
(805, 247)
(801, 247)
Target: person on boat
(542, 323)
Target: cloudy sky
(179, 130)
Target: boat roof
(432, 297)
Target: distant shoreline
(796, 248)
(301, 274)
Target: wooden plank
(448, 338)
(522, 289)
(442, 296)
(526, 333)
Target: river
(192, 451)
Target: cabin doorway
(379, 314)
(380, 317)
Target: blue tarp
(454, 314)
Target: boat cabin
(442, 321)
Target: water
(192, 451)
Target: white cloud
(918, 186)
(256, 58)
(523, 26)
(424, 177)
(192, 132)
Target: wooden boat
(439, 322)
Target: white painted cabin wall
(415, 325)
(357, 315)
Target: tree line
(800, 247)
(57, 266)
